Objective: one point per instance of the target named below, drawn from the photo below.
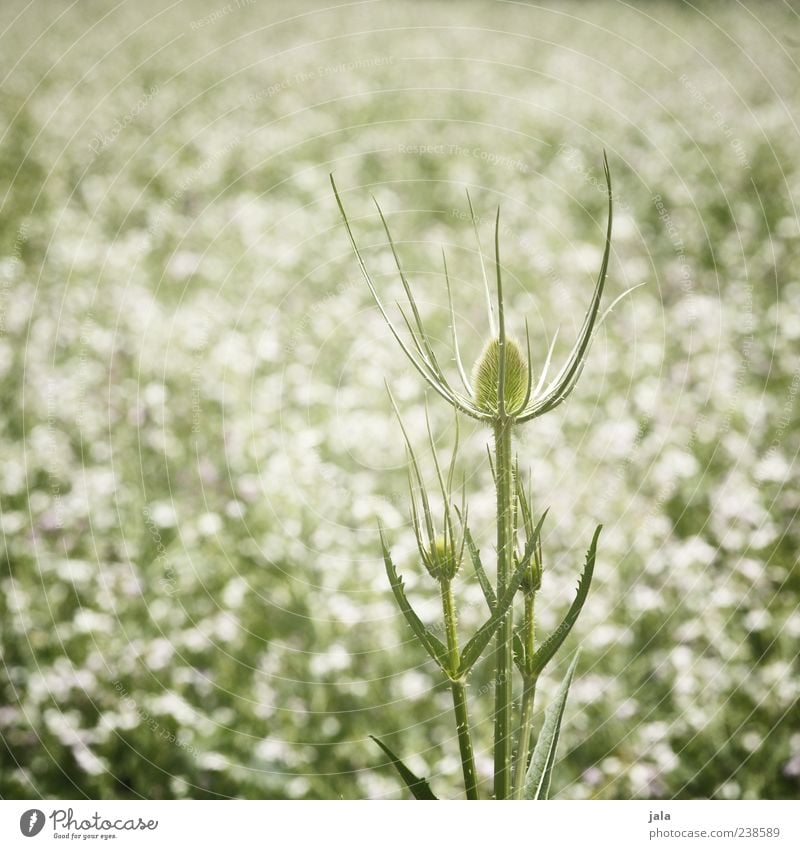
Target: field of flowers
(196, 439)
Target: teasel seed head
(486, 377)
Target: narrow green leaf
(424, 368)
(529, 381)
(540, 771)
(489, 307)
(546, 366)
(533, 540)
(524, 507)
(483, 578)
(491, 464)
(475, 646)
(446, 490)
(454, 331)
(426, 509)
(563, 383)
(420, 328)
(501, 324)
(434, 646)
(553, 643)
(419, 787)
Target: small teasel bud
(532, 578)
(444, 559)
(486, 376)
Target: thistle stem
(464, 740)
(528, 699)
(530, 625)
(459, 694)
(525, 735)
(503, 650)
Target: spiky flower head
(444, 558)
(522, 400)
(486, 377)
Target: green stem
(459, 694)
(464, 741)
(503, 651)
(528, 698)
(530, 625)
(525, 734)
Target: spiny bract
(444, 559)
(486, 375)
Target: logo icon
(31, 822)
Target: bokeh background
(196, 440)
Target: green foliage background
(196, 440)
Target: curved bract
(503, 370)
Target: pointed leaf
(474, 648)
(490, 308)
(563, 383)
(419, 333)
(483, 578)
(585, 336)
(546, 366)
(423, 367)
(419, 787)
(533, 540)
(434, 646)
(529, 378)
(537, 780)
(501, 333)
(491, 464)
(454, 331)
(553, 643)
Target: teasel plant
(503, 394)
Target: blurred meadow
(197, 442)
